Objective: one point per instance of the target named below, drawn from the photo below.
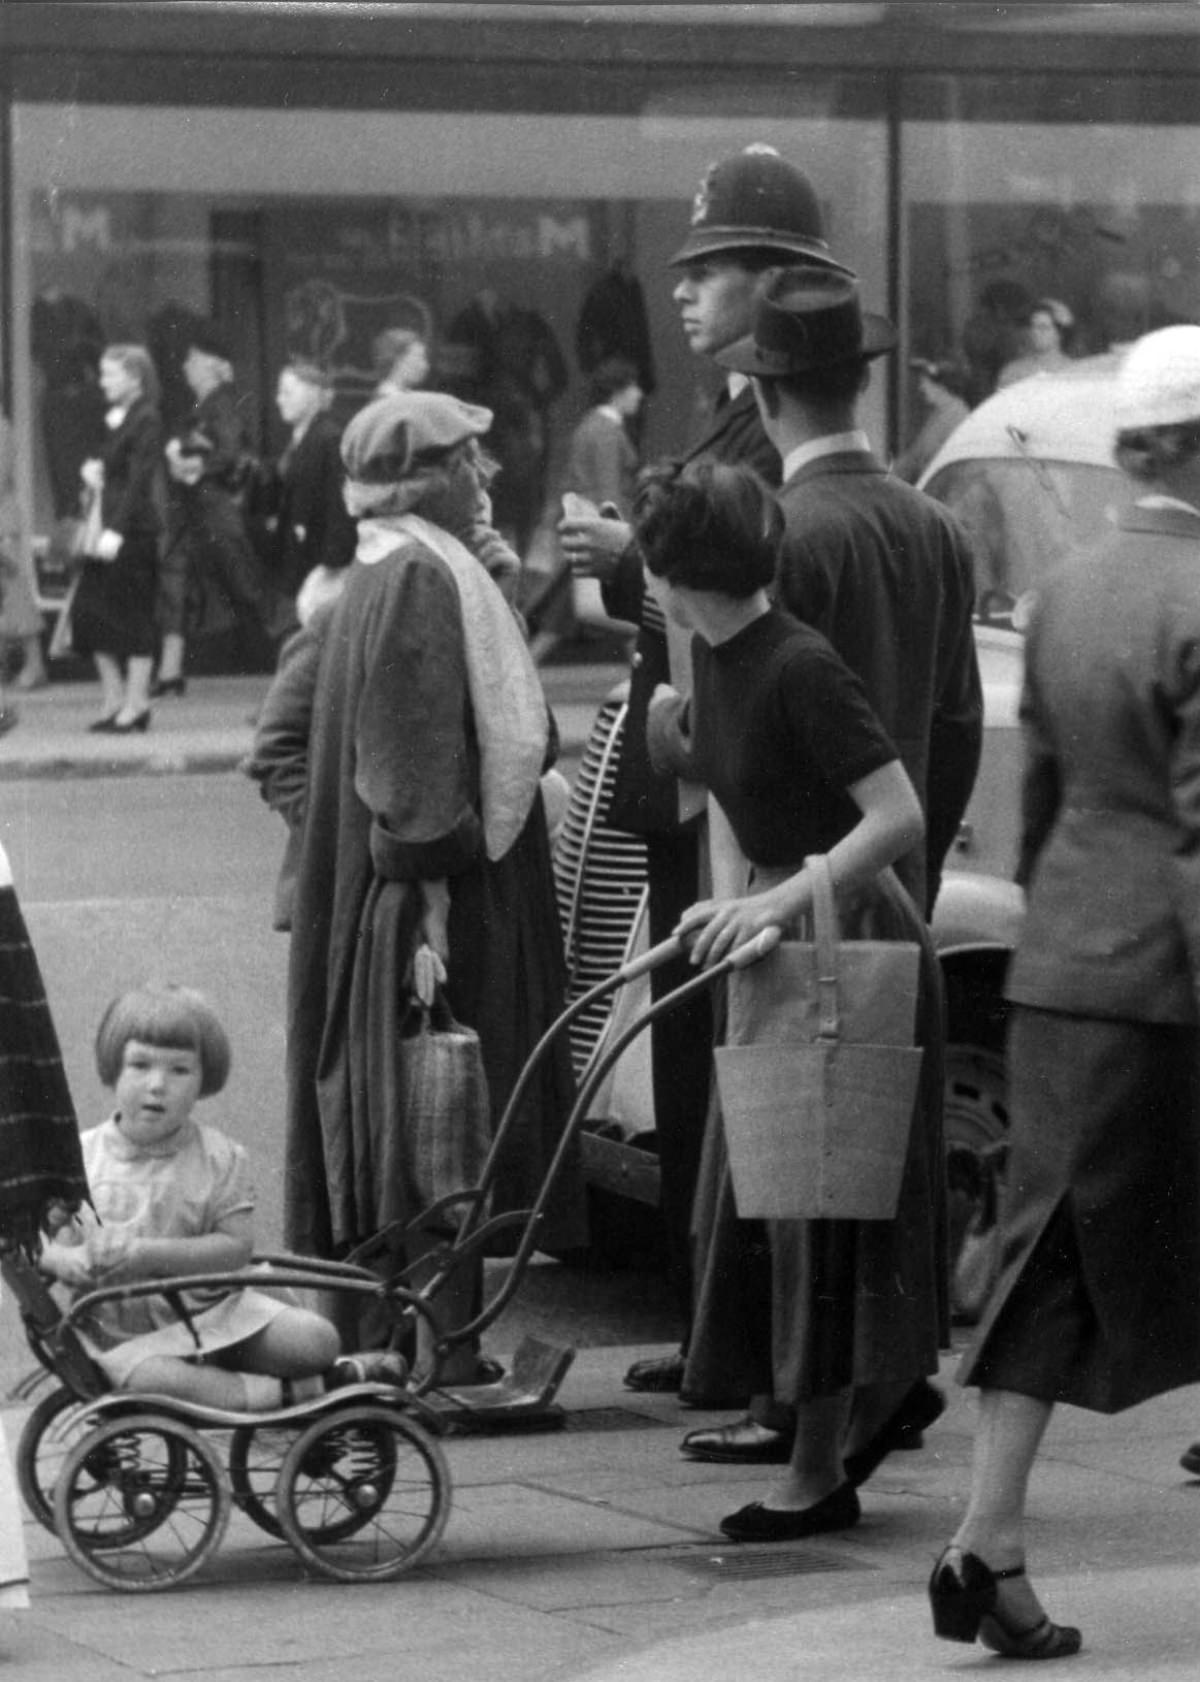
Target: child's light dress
(182, 1188)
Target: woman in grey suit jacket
(1098, 1300)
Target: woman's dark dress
(113, 611)
(781, 730)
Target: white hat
(1159, 381)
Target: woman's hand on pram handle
(749, 952)
(715, 929)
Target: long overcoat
(393, 798)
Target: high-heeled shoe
(964, 1595)
(140, 721)
(104, 726)
(167, 686)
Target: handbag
(445, 1129)
(818, 1082)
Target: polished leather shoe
(1190, 1460)
(921, 1406)
(744, 1444)
(756, 1523)
(139, 722)
(167, 686)
(662, 1375)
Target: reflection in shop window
(1102, 218)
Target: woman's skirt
(799, 1309)
(113, 611)
(1098, 1298)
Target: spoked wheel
(256, 1454)
(363, 1494)
(46, 1438)
(141, 1503)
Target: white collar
(735, 384)
(832, 444)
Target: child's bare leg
(296, 1344)
(168, 1375)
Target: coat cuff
(443, 855)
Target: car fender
(976, 913)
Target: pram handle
(675, 946)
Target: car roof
(1065, 416)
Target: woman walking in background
(209, 554)
(112, 616)
(310, 534)
(1098, 1298)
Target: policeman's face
(714, 295)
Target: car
(1030, 473)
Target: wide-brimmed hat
(382, 440)
(806, 318)
(756, 201)
(1158, 383)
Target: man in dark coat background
(752, 211)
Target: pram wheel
(256, 1454)
(141, 1502)
(46, 1438)
(364, 1493)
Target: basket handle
(825, 932)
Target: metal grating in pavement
(609, 1419)
(770, 1560)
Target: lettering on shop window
(476, 235)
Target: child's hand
(69, 1264)
(108, 1251)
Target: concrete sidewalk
(209, 728)
(593, 1553)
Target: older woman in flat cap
(423, 855)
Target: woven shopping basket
(818, 1084)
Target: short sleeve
(827, 713)
(231, 1191)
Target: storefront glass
(502, 237)
(1084, 196)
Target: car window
(1025, 515)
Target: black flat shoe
(104, 726)
(141, 722)
(923, 1404)
(167, 686)
(723, 1445)
(1190, 1460)
(756, 1523)
(964, 1596)
(662, 1376)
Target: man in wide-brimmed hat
(750, 211)
(886, 574)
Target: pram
(355, 1480)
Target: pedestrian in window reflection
(1098, 1299)
(1048, 334)
(209, 557)
(310, 535)
(112, 617)
(941, 386)
(401, 359)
